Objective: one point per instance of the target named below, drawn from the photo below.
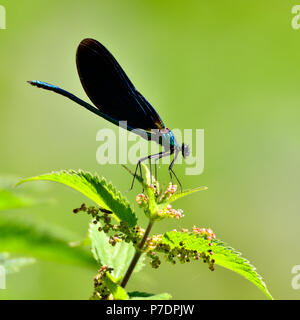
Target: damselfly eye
(185, 149)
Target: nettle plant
(121, 247)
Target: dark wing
(110, 90)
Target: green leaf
(11, 200)
(117, 257)
(185, 193)
(223, 255)
(136, 295)
(117, 291)
(13, 265)
(35, 240)
(96, 189)
(7, 181)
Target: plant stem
(137, 256)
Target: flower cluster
(169, 212)
(153, 242)
(208, 233)
(181, 254)
(171, 189)
(141, 200)
(93, 211)
(113, 240)
(155, 261)
(154, 245)
(101, 292)
(139, 232)
(153, 188)
(119, 232)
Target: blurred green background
(228, 67)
